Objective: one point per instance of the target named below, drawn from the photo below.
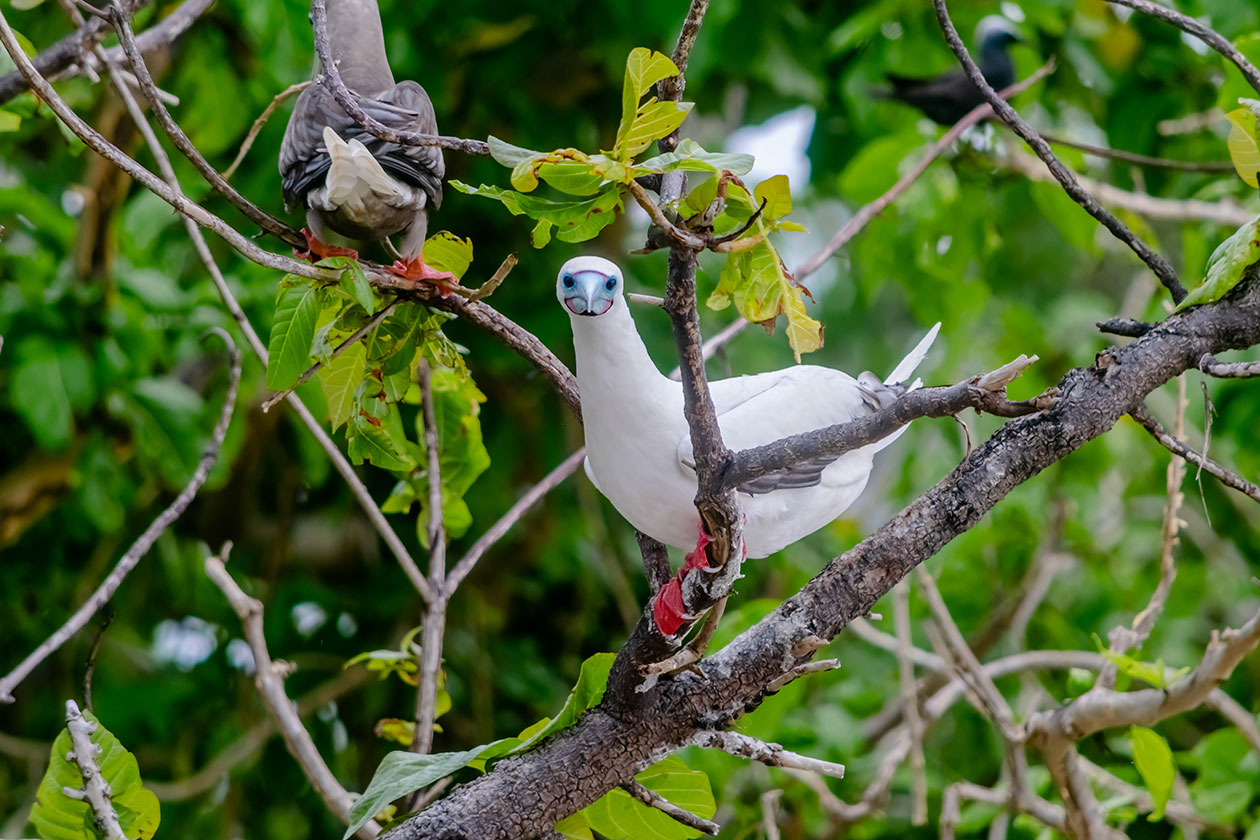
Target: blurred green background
(107, 396)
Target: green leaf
(619, 816)
(757, 283)
(400, 774)
(574, 827)
(1227, 265)
(777, 195)
(586, 694)
(447, 252)
(652, 121)
(37, 390)
(377, 440)
(353, 282)
(58, 817)
(691, 156)
(9, 121)
(340, 379)
(507, 154)
(292, 331)
(1235, 85)
(1244, 148)
(574, 221)
(541, 234)
(1154, 761)
(644, 68)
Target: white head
(589, 285)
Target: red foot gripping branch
(668, 609)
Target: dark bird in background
(348, 180)
(949, 97)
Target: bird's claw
(317, 250)
(417, 272)
(668, 610)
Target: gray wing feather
(304, 162)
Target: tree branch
(1162, 269)
(269, 677)
(660, 803)
(1143, 416)
(142, 545)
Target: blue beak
(587, 292)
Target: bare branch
(1125, 326)
(655, 561)
(278, 100)
(660, 803)
(867, 212)
(95, 791)
(250, 210)
(1142, 160)
(269, 677)
(1204, 33)
(771, 755)
(331, 79)
(910, 700)
(943, 401)
(1228, 370)
(141, 546)
(435, 617)
(1162, 269)
(1230, 479)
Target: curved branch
(1160, 266)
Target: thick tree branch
(1160, 266)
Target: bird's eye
(611, 283)
(568, 281)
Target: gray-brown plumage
(346, 179)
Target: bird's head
(996, 33)
(589, 285)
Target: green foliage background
(106, 396)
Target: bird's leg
(417, 272)
(317, 250)
(668, 609)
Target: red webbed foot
(317, 250)
(417, 272)
(668, 609)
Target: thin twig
(869, 211)
(660, 803)
(141, 546)
(513, 515)
(1162, 269)
(1228, 370)
(269, 677)
(89, 669)
(772, 755)
(910, 701)
(435, 618)
(1142, 160)
(278, 100)
(331, 79)
(353, 339)
(250, 210)
(1204, 33)
(1230, 479)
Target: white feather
(354, 176)
(639, 448)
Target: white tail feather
(353, 173)
(912, 360)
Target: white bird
(638, 445)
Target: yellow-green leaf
(651, 122)
(9, 121)
(618, 816)
(447, 252)
(644, 68)
(1154, 760)
(762, 290)
(292, 331)
(574, 827)
(777, 195)
(1244, 150)
(58, 817)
